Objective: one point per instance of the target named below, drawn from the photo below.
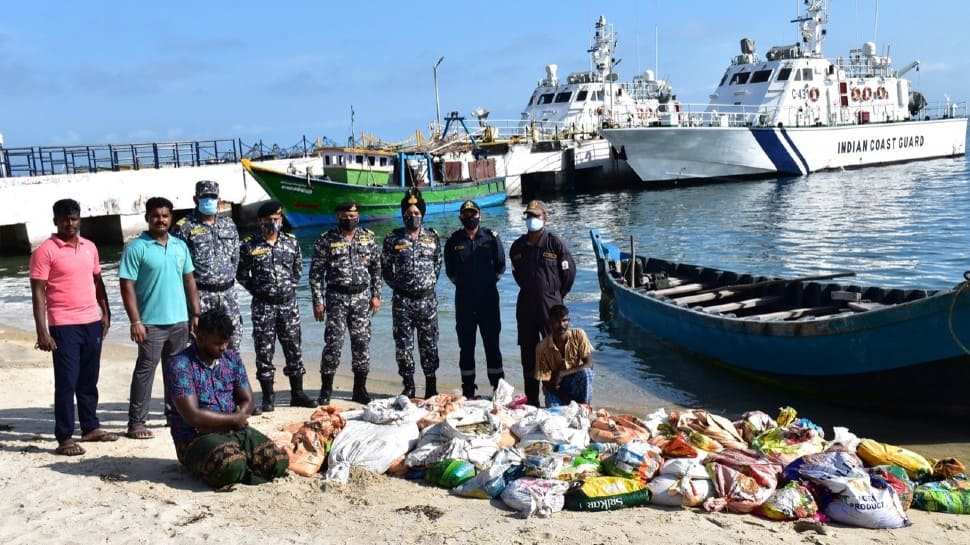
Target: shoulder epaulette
(291, 235)
(247, 239)
(368, 231)
(181, 222)
(491, 232)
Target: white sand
(134, 491)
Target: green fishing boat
(310, 200)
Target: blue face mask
(208, 206)
(534, 224)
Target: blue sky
(89, 72)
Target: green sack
(949, 496)
(606, 494)
(450, 473)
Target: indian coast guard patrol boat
(796, 112)
(559, 129)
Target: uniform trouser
(530, 333)
(77, 363)
(272, 321)
(162, 341)
(410, 315)
(228, 303)
(346, 311)
(578, 386)
(486, 319)
(245, 456)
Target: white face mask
(534, 224)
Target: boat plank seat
(862, 306)
(744, 305)
(680, 290)
(792, 314)
(704, 297)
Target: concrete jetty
(113, 202)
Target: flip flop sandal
(140, 433)
(69, 449)
(99, 435)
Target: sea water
(896, 226)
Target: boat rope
(949, 320)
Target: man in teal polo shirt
(158, 291)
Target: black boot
(360, 389)
(430, 386)
(298, 397)
(468, 390)
(269, 397)
(326, 388)
(408, 390)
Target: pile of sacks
(540, 461)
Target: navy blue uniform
(475, 266)
(545, 273)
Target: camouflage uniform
(270, 272)
(215, 254)
(344, 276)
(411, 266)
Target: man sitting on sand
(563, 361)
(208, 387)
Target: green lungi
(245, 456)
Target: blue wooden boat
(899, 349)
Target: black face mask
(413, 223)
(348, 224)
(471, 222)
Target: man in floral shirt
(208, 386)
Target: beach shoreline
(135, 491)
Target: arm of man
(438, 257)
(449, 259)
(297, 263)
(374, 267)
(209, 421)
(567, 269)
(130, 300)
(38, 296)
(101, 295)
(244, 268)
(514, 252)
(387, 260)
(318, 272)
(499, 256)
(191, 300)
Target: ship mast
(811, 26)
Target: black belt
(274, 299)
(415, 294)
(347, 290)
(214, 287)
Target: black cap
(206, 187)
(269, 208)
(413, 198)
(348, 206)
(469, 205)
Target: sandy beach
(135, 491)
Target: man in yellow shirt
(563, 361)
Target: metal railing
(49, 160)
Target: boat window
(383, 161)
(723, 79)
(784, 74)
(326, 159)
(581, 96)
(340, 160)
(740, 78)
(798, 76)
(563, 97)
(806, 74)
(359, 159)
(545, 98)
(371, 160)
(761, 76)
(598, 95)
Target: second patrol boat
(795, 112)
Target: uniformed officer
(345, 281)
(474, 262)
(544, 269)
(411, 264)
(213, 242)
(270, 266)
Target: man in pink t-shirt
(72, 317)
